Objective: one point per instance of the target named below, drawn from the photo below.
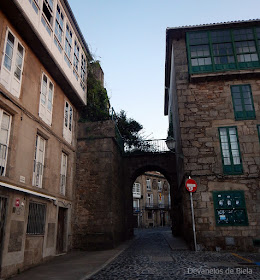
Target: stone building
(42, 87)
(212, 95)
(151, 200)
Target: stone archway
(103, 202)
(165, 163)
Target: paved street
(151, 257)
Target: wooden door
(61, 230)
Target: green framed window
(243, 102)
(230, 151)
(223, 50)
(258, 130)
(230, 208)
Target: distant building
(151, 200)
(42, 87)
(212, 95)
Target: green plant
(97, 108)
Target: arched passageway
(151, 201)
(105, 174)
(165, 163)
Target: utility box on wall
(230, 208)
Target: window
(148, 184)
(230, 208)
(47, 15)
(11, 73)
(160, 200)
(46, 100)
(149, 199)
(245, 47)
(36, 218)
(159, 186)
(63, 173)
(231, 158)
(5, 121)
(83, 72)
(76, 60)
(136, 205)
(59, 28)
(243, 102)
(137, 189)
(38, 164)
(68, 45)
(221, 50)
(35, 5)
(68, 118)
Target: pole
(193, 222)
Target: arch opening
(151, 200)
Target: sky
(128, 38)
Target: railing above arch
(146, 146)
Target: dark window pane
(243, 34)
(198, 51)
(220, 36)
(198, 38)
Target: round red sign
(191, 185)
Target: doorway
(61, 231)
(3, 204)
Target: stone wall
(205, 106)
(99, 212)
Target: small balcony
(155, 206)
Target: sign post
(191, 186)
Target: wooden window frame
(63, 173)
(38, 165)
(258, 130)
(244, 114)
(233, 39)
(4, 147)
(230, 169)
(68, 122)
(43, 112)
(59, 27)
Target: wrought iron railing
(118, 137)
(157, 206)
(146, 146)
(138, 146)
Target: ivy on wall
(97, 108)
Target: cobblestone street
(151, 257)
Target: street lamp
(170, 142)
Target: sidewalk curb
(125, 246)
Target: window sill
(225, 75)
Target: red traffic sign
(17, 202)
(191, 185)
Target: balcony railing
(146, 146)
(157, 206)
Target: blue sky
(128, 37)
